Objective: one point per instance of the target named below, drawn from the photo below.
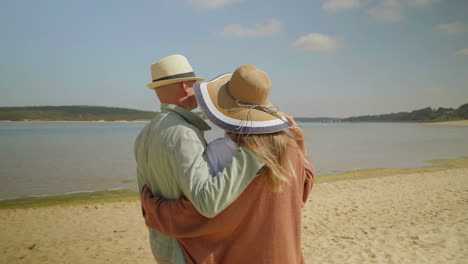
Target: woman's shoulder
(222, 144)
(219, 153)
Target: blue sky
(325, 58)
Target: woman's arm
(174, 218)
(309, 179)
(298, 136)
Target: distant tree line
(96, 113)
(427, 114)
(73, 113)
(317, 119)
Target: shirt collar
(187, 115)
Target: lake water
(57, 158)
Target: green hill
(317, 119)
(73, 113)
(427, 114)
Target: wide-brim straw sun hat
(238, 102)
(171, 69)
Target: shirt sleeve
(210, 195)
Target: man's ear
(185, 88)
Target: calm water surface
(57, 158)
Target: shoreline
(449, 123)
(104, 196)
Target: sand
(415, 218)
(450, 123)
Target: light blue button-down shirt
(169, 153)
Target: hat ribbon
(175, 76)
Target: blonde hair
(271, 149)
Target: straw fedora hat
(171, 69)
(238, 102)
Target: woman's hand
(144, 196)
(297, 134)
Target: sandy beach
(412, 218)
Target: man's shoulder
(172, 127)
(175, 123)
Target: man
(169, 153)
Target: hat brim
(219, 107)
(157, 84)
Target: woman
(264, 224)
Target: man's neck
(185, 105)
